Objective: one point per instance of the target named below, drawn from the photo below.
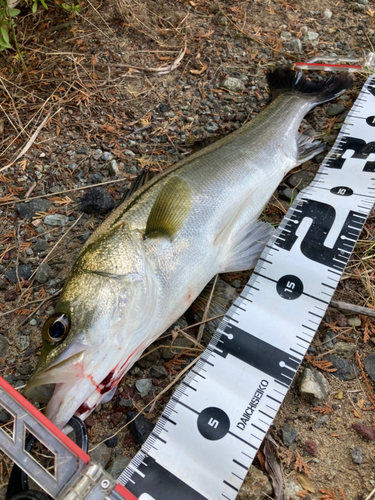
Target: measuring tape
(213, 425)
(209, 433)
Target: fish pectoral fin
(246, 247)
(308, 148)
(170, 209)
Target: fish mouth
(42, 385)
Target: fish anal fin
(246, 247)
(170, 209)
(308, 148)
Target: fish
(151, 258)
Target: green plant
(73, 7)
(35, 5)
(7, 24)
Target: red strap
(44, 421)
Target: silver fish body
(145, 265)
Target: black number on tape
(342, 191)
(213, 423)
(312, 244)
(289, 287)
(370, 120)
(360, 147)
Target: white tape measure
(210, 431)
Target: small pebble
(354, 321)
(289, 434)
(311, 447)
(56, 220)
(107, 156)
(144, 386)
(4, 346)
(357, 455)
(233, 84)
(111, 441)
(43, 273)
(364, 430)
(314, 386)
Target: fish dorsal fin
(170, 209)
(141, 180)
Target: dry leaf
(360, 403)
(108, 128)
(198, 71)
(356, 414)
(305, 483)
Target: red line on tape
(328, 64)
(124, 492)
(44, 421)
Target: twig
(29, 304)
(370, 495)
(37, 308)
(205, 321)
(67, 191)
(351, 308)
(205, 314)
(164, 70)
(29, 142)
(187, 368)
(58, 27)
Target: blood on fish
(82, 409)
(107, 380)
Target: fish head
(90, 340)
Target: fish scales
(144, 266)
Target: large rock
(24, 271)
(345, 370)
(255, 486)
(97, 201)
(30, 209)
(370, 366)
(140, 427)
(117, 466)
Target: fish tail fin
(285, 80)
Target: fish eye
(56, 328)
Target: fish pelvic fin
(222, 298)
(170, 209)
(308, 148)
(285, 80)
(246, 247)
